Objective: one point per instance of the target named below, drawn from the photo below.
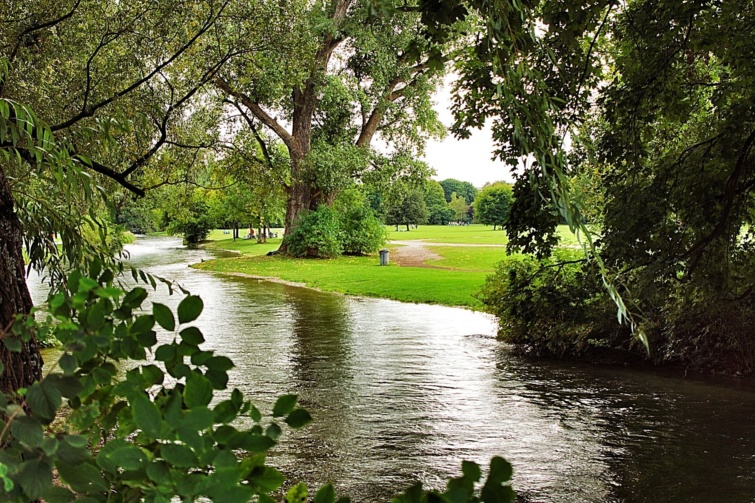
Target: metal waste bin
(384, 256)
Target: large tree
(344, 75)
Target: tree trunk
(300, 193)
(20, 369)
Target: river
(405, 392)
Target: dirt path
(412, 254)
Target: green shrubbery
(317, 235)
(195, 223)
(349, 227)
(158, 431)
(553, 306)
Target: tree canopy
(493, 204)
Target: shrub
(553, 306)
(361, 231)
(318, 234)
(195, 224)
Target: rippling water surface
(405, 392)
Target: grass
(362, 276)
(466, 234)
(464, 268)
(468, 258)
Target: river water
(405, 392)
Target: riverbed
(405, 392)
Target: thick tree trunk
(20, 369)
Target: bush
(318, 234)
(553, 306)
(195, 225)
(146, 436)
(361, 231)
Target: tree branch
(88, 112)
(258, 112)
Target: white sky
(466, 160)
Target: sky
(466, 160)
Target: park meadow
(461, 257)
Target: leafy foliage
(361, 231)
(317, 235)
(408, 210)
(554, 306)
(493, 204)
(154, 433)
(462, 189)
(194, 222)
(438, 211)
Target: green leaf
(198, 418)
(268, 479)
(500, 471)
(298, 418)
(34, 477)
(326, 494)
(165, 353)
(251, 442)
(284, 405)
(219, 380)
(77, 441)
(146, 415)
(68, 363)
(56, 494)
(471, 470)
(128, 457)
(297, 494)
(27, 430)
(44, 399)
(274, 431)
(192, 335)
(178, 455)
(198, 391)
(219, 364)
(189, 309)
(142, 324)
(164, 316)
(87, 284)
(152, 375)
(83, 477)
(13, 344)
(69, 386)
(96, 315)
(159, 472)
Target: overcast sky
(466, 160)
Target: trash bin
(384, 257)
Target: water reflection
(404, 392)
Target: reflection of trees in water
(320, 353)
(653, 438)
(322, 338)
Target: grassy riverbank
(451, 280)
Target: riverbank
(429, 265)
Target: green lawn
(469, 234)
(468, 258)
(217, 239)
(472, 234)
(362, 276)
(463, 272)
